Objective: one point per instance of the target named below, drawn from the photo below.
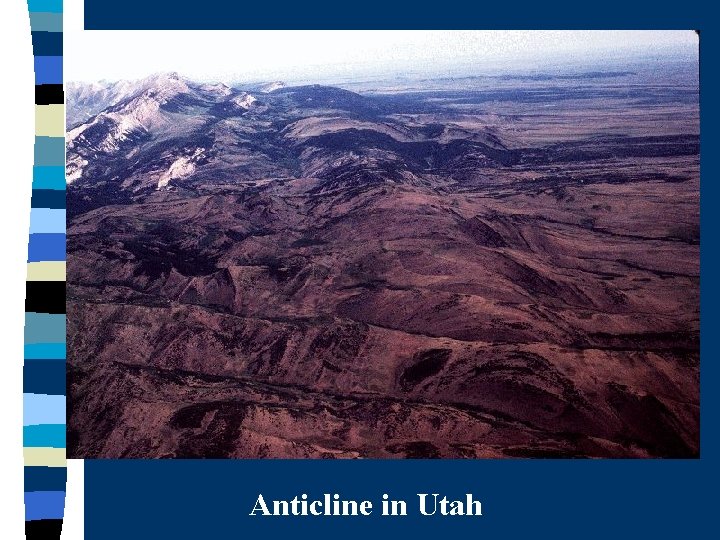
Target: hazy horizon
(633, 63)
(253, 56)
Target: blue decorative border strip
(44, 400)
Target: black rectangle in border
(45, 297)
(49, 94)
(43, 529)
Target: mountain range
(486, 268)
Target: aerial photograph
(401, 245)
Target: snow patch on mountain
(182, 167)
(74, 168)
(244, 100)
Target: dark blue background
(389, 14)
(211, 499)
(208, 499)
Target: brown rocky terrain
(453, 273)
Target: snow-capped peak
(220, 89)
(164, 86)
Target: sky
(234, 56)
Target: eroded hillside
(313, 272)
